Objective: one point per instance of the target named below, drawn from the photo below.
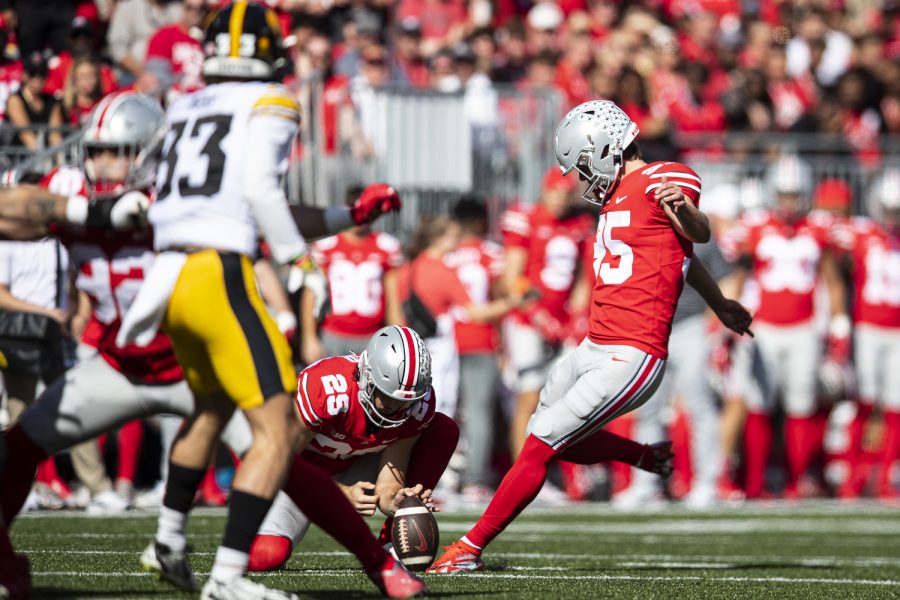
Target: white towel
(142, 320)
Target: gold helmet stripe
(236, 27)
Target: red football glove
(376, 199)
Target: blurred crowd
(675, 66)
(505, 309)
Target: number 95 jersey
(640, 261)
(327, 405)
(210, 163)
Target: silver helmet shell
(591, 139)
(790, 174)
(132, 124)
(884, 193)
(397, 364)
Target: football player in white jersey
(218, 188)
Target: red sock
(520, 486)
(317, 496)
(19, 475)
(130, 437)
(799, 438)
(891, 450)
(601, 446)
(757, 444)
(384, 536)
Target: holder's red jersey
(785, 260)
(555, 248)
(328, 406)
(355, 272)
(876, 272)
(640, 261)
(110, 269)
(478, 264)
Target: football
(414, 534)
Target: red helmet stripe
(109, 102)
(412, 367)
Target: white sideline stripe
(333, 572)
(730, 561)
(703, 526)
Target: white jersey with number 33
(224, 154)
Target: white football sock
(170, 531)
(230, 564)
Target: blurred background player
(478, 264)
(375, 432)
(545, 244)
(648, 221)
(362, 291)
(787, 252)
(873, 253)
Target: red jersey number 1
(609, 274)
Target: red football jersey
(876, 274)
(355, 271)
(555, 248)
(478, 264)
(640, 261)
(10, 82)
(185, 54)
(785, 263)
(110, 269)
(328, 406)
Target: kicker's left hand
(735, 317)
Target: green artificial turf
(810, 550)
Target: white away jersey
(203, 173)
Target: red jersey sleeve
(515, 225)
(310, 398)
(679, 174)
(321, 251)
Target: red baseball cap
(555, 180)
(833, 194)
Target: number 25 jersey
(640, 261)
(201, 178)
(328, 406)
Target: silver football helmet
(790, 174)
(884, 193)
(397, 364)
(133, 125)
(591, 139)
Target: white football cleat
(242, 589)
(702, 497)
(152, 498)
(639, 497)
(107, 503)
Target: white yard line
(519, 576)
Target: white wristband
(77, 209)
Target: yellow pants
(222, 333)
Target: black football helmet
(243, 41)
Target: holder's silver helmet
(884, 193)
(591, 139)
(134, 126)
(397, 364)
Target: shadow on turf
(341, 594)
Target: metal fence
(493, 141)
